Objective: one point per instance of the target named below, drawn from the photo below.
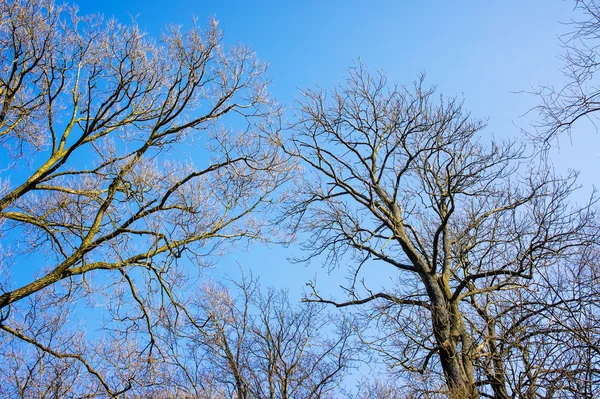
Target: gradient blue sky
(486, 51)
(481, 49)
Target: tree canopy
(132, 162)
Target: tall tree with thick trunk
(398, 180)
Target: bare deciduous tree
(405, 185)
(118, 164)
(544, 336)
(249, 344)
(257, 345)
(563, 106)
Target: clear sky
(486, 51)
(481, 49)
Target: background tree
(563, 106)
(238, 343)
(398, 180)
(255, 344)
(117, 166)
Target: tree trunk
(453, 341)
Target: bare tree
(246, 343)
(29, 372)
(579, 98)
(402, 183)
(545, 334)
(238, 343)
(118, 165)
(376, 389)
(257, 345)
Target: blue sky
(486, 51)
